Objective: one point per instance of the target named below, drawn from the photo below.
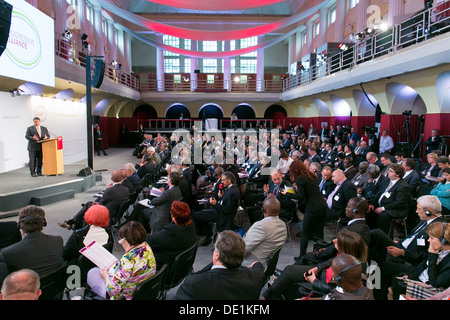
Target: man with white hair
(132, 175)
(156, 157)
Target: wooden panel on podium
(52, 157)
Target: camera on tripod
(407, 114)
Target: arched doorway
(142, 114)
(277, 113)
(211, 114)
(244, 112)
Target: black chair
(53, 285)
(123, 207)
(150, 288)
(272, 264)
(179, 269)
(145, 181)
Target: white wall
(62, 118)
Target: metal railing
(222, 124)
(418, 28)
(76, 54)
(148, 85)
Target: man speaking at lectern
(34, 134)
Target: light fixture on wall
(116, 64)
(343, 46)
(237, 79)
(16, 92)
(84, 41)
(67, 34)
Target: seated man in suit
(146, 166)
(411, 176)
(395, 257)
(385, 163)
(267, 235)
(355, 212)
(132, 176)
(223, 210)
(113, 196)
(326, 184)
(226, 279)
(328, 155)
(338, 199)
(391, 201)
(370, 187)
(312, 152)
(158, 216)
(37, 251)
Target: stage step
(52, 198)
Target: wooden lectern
(52, 156)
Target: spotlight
(237, 79)
(67, 34)
(343, 46)
(381, 26)
(360, 36)
(84, 41)
(116, 64)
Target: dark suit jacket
(135, 180)
(360, 227)
(113, 196)
(413, 180)
(308, 192)
(170, 241)
(340, 200)
(327, 188)
(32, 144)
(223, 284)
(350, 173)
(163, 203)
(432, 145)
(9, 234)
(37, 251)
(227, 207)
(147, 167)
(286, 205)
(397, 204)
(438, 274)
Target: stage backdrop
(62, 118)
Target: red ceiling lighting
(217, 5)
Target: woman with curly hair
(307, 191)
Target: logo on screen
(24, 43)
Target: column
(111, 41)
(323, 26)
(127, 52)
(194, 66)
(159, 64)
(396, 8)
(227, 68)
(361, 24)
(339, 24)
(81, 10)
(98, 32)
(60, 15)
(260, 84)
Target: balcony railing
(421, 27)
(149, 85)
(222, 124)
(75, 54)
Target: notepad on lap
(101, 257)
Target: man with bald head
(347, 274)
(267, 235)
(21, 285)
(341, 195)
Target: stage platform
(18, 189)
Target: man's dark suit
(113, 196)
(170, 241)
(34, 148)
(161, 216)
(327, 187)
(286, 205)
(396, 204)
(98, 141)
(9, 234)
(147, 167)
(431, 145)
(413, 180)
(37, 251)
(135, 180)
(340, 200)
(222, 213)
(223, 284)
